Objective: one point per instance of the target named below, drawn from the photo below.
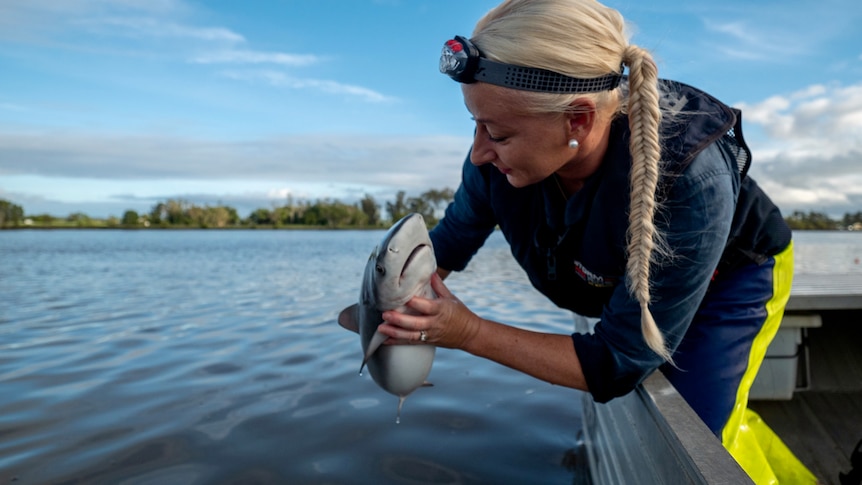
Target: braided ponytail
(644, 120)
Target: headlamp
(464, 62)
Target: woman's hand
(445, 320)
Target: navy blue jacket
(713, 216)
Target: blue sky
(108, 105)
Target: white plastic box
(776, 379)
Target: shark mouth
(410, 258)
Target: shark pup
(399, 268)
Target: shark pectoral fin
(376, 340)
(348, 318)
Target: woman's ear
(581, 117)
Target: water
(827, 252)
(214, 357)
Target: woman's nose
(481, 152)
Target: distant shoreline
(292, 227)
(188, 228)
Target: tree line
(179, 213)
(799, 220)
(329, 213)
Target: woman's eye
(484, 128)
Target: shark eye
(380, 269)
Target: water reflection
(214, 357)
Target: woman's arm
(449, 323)
(443, 273)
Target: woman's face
(527, 148)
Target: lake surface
(214, 357)
(827, 252)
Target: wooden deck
(822, 423)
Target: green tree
(422, 206)
(159, 214)
(850, 219)
(398, 208)
(439, 199)
(196, 216)
(10, 214)
(232, 215)
(218, 216)
(177, 212)
(810, 221)
(130, 218)
(371, 210)
(79, 219)
(43, 219)
(429, 204)
(261, 216)
(336, 214)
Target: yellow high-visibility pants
(753, 444)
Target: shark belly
(401, 369)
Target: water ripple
(215, 357)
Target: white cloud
(410, 162)
(162, 28)
(36, 20)
(255, 57)
(166, 29)
(752, 41)
(812, 154)
(281, 79)
(819, 120)
(101, 175)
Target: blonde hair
(585, 39)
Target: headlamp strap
(463, 61)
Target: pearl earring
(573, 143)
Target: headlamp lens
(453, 59)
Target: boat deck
(822, 423)
(815, 292)
(811, 397)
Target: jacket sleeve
(696, 220)
(468, 221)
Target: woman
(622, 198)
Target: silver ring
(423, 337)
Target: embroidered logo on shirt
(593, 279)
